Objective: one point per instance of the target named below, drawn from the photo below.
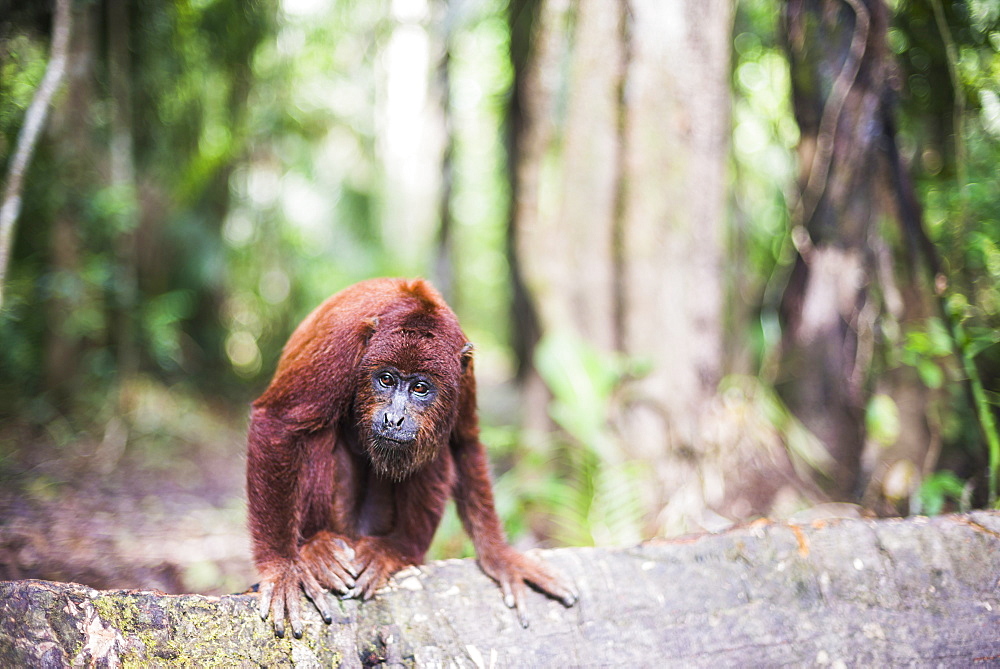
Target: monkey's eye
(386, 380)
(420, 388)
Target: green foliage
(808, 453)
(263, 184)
(763, 172)
(925, 349)
(594, 498)
(940, 47)
(937, 489)
(882, 420)
(128, 272)
(162, 319)
(956, 47)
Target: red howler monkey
(366, 429)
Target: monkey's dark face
(406, 401)
(401, 420)
(400, 402)
(404, 416)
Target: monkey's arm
(509, 568)
(275, 482)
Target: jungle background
(720, 260)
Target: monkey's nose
(390, 421)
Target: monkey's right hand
(321, 562)
(281, 586)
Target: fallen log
(894, 592)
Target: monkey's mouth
(394, 458)
(393, 443)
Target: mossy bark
(857, 592)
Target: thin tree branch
(958, 112)
(34, 121)
(822, 160)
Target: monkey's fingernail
(324, 612)
(509, 601)
(279, 630)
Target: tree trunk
(844, 282)
(122, 181)
(673, 215)
(74, 145)
(842, 593)
(621, 206)
(411, 138)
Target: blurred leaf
(581, 381)
(930, 373)
(980, 339)
(802, 444)
(882, 419)
(937, 489)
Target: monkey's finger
(366, 585)
(566, 594)
(508, 593)
(339, 582)
(345, 555)
(568, 598)
(554, 586)
(519, 602)
(278, 612)
(314, 591)
(370, 580)
(339, 572)
(560, 593)
(264, 604)
(293, 603)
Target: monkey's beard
(396, 460)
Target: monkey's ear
(466, 355)
(368, 327)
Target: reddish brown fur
(328, 508)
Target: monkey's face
(401, 420)
(401, 400)
(407, 396)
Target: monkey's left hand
(331, 558)
(376, 559)
(511, 570)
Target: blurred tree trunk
(74, 146)
(122, 181)
(845, 285)
(34, 122)
(521, 16)
(621, 205)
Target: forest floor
(156, 502)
